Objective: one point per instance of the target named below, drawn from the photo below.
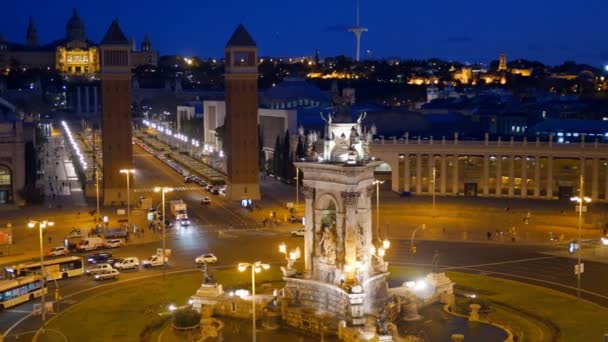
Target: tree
(286, 159)
(276, 158)
(300, 149)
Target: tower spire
(32, 34)
(357, 30)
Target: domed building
(73, 55)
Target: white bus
(60, 268)
(21, 290)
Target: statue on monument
(328, 246)
(207, 279)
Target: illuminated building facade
(72, 55)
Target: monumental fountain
(343, 286)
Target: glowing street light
(412, 247)
(256, 267)
(128, 173)
(41, 225)
(580, 199)
(163, 191)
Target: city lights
(74, 145)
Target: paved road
(209, 233)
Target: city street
(231, 233)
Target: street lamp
(128, 173)
(580, 199)
(297, 178)
(41, 225)
(256, 267)
(377, 184)
(434, 178)
(163, 191)
(412, 248)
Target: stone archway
(6, 185)
(326, 234)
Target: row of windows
(293, 104)
(5, 176)
(20, 291)
(78, 59)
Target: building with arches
(14, 135)
(504, 169)
(74, 55)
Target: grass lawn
(577, 320)
(528, 308)
(119, 314)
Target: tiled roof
(114, 35)
(240, 37)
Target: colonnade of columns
(513, 176)
(83, 100)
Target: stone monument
(342, 274)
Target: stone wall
(318, 295)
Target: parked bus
(60, 268)
(21, 290)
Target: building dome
(75, 28)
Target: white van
(90, 244)
(127, 263)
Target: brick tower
(241, 143)
(116, 123)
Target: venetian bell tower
(116, 126)
(241, 142)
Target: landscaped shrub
(185, 318)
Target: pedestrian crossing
(177, 188)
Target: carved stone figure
(328, 246)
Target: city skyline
(465, 32)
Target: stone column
(536, 176)
(406, 173)
(524, 177)
(498, 175)
(366, 223)
(78, 105)
(309, 194)
(394, 164)
(595, 179)
(350, 199)
(340, 227)
(550, 177)
(418, 173)
(511, 175)
(443, 173)
(455, 181)
(486, 175)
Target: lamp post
(412, 248)
(256, 267)
(41, 225)
(580, 199)
(377, 184)
(163, 191)
(297, 178)
(97, 191)
(128, 173)
(434, 178)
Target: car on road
(298, 232)
(155, 260)
(114, 243)
(206, 200)
(208, 258)
(214, 191)
(127, 263)
(101, 257)
(107, 274)
(57, 251)
(184, 223)
(99, 268)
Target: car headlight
(605, 241)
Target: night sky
(465, 30)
